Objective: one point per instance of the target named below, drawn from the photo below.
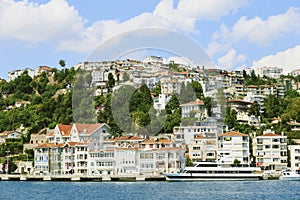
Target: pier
(76, 178)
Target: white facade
(270, 151)
(161, 102)
(195, 108)
(234, 145)
(12, 75)
(210, 132)
(294, 156)
(272, 72)
(154, 59)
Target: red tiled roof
(233, 134)
(72, 144)
(65, 130)
(197, 102)
(125, 138)
(87, 128)
(271, 135)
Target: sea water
(268, 189)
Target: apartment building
(234, 146)
(193, 109)
(270, 151)
(294, 151)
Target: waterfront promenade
(27, 177)
(18, 177)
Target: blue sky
(234, 33)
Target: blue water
(274, 189)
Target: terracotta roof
(72, 144)
(126, 138)
(197, 102)
(65, 130)
(270, 135)
(44, 145)
(152, 141)
(87, 128)
(51, 133)
(46, 68)
(233, 134)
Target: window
(146, 155)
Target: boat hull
(212, 177)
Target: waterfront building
(234, 145)
(197, 148)
(294, 151)
(209, 129)
(270, 151)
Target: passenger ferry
(209, 171)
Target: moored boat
(290, 175)
(209, 171)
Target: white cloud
(59, 22)
(33, 22)
(256, 30)
(288, 60)
(231, 59)
(212, 9)
(163, 16)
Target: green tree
(189, 162)
(230, 118)
(236, 163)
(62, 63)
(111, 81)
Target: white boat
(290, 175)
(209, 171)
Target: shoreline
(76, 178)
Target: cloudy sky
(234, 33)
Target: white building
(193, 109)
(196, 152)
(12, 75)
(210, 131)
(234, 145)
(161, 101)
(294, 156)
(270, 151)
(271, 72)
(154, 60)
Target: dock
(77, 178)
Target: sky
(235, 34)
